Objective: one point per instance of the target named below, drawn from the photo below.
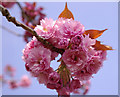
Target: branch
(48, 45)
(23, 12)
(19, 5)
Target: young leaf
(99, 46)
(66, 13)
(34, 4)
(94, 33)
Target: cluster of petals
(80, 57)
(35, 14)
(24, 82)
(8, 77)
(9, 70)
(31, 17)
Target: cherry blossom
(25, 81)
(79, 61)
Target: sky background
(93, 16)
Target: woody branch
(48, 45)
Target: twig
(19, 5)
(48, 45)
(23, 12)
(13, 32)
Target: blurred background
(100, 16)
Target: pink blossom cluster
(35, 14)
(24, 82)
(78, 63)
(31, 17)
(8, 78)
(9, 70)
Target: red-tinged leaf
(94, 33)
(66, 13)
(34, 4)
(99, 46)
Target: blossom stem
(23, 12)
(19, 5)
(46, 44)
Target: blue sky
(93, 16)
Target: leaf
(64, 73)
(34, 4)
(66, 13)
(94, 33)
(99, 46)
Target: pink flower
(37, 57)
(35, 14)
(59, 32)
(68, 28)
(87, 41)
(79, 61)
(63, 43)
(54, 81)
(51, 86)
(75, 84)
(94, 65)
(82, 74)
(7, 3)
(43, 76)
(13, 84)
(9, 70)
(95, 62)
(65, 92)
(86, 90)
(101, 54)
(76, 41)
(86, 87)
(56, 86)
(45, 30)
(25, 81)
(53, 55)
(74, 59)
(54, 77)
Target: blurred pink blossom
(9, 70)
(25, 81)
(12, 84)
